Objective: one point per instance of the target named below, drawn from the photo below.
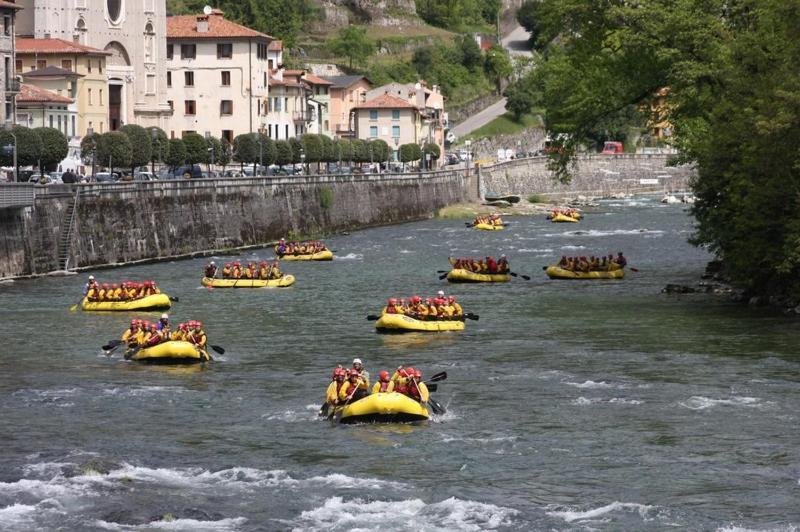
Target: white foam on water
(570, 516)
(482, 440)
(338, 480)
(18, 517)
(534, 250)
(336, 514)
(405, 251)
(290, 416)
(736, 528)
(583, 401)
(224, 525)
(350, 256)
(593, 384)
(612, 232)
(701, 403)
(573, 247)
(144, 391)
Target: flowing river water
(572, 405)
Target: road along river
(572, 405)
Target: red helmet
(115, 286)
(428, 300)
(198, 325)
(227, 264)
(409, 371)
(418, 374)
(452, 299)
(392, 301)
(416, 299)
(153, 327)
(384, 376)
(105, 285)
(182, 326)
(353, 373)
(134, 322)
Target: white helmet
(356, 361)
(440, 293)
(213, 263)
(91, 277)
(164, 317)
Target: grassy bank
(505, 125)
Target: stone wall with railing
(124, 222)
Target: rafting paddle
(437, 377)
(526, 277)
(174, 299)
(436, 407)
(218, 349)
(112, 344)
(441, 277)
(373, 317)
(471, 316)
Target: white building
(217, 76)
(133, 31)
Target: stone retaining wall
(117, 223)
(595, 175)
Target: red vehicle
(612, 148)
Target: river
(572, 405)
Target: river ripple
(572, 406)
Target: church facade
(133, 32)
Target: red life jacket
(413, 391)
(384, 386)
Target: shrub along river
(572, 405)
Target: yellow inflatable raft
(560, 218)
(554, 272)
(389, 407)
(400, 323)
(488, 227)
(322, 255)
(154, 302)
(172, 352)
(460, 275)
(286, 280)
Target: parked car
(144, 176)
(612, 148)
(232, 173)
(188, 172)
(104, 177)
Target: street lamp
(8, 126)
(468, 143)
(303, 160)
(210, 151)
(153, 139)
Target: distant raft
(389, 407)
(152, 302)
(282, 282)
(400, 323)
(320, 255)
(488, 227)
(554, 272)
(460, 275)
(171, 352)
(561, 218)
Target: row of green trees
(133, 146)
(724, 74)
(43, 147)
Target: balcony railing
(12, 85)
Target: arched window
(149, 43)
(114, 8)
(79, 35)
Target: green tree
(380, 150)
(297, 150)
(225, 153)
(55, 147)
(528, 18)
(214, 147)
(434, 151)
(29, 147)
(519, 99)
(160, 146)
(498, 66)
(267, 149)
(89, 148)
(470, 52)
(343, 150)
(141, 144)
(176, 153)
(245, 149)
(328, 155)
(196, 148)
(409, 153)
(283, 153)
(313, 148)
(114, 149)
(360, 151)
(352, 42)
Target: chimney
(202, 24)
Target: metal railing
(12, 85)
(17, 195)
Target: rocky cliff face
(340, 13)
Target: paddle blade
(474, 317)
(512, 274)
(441, 277)
(633, 269)
(373, 317)
(437, 408)
(218, 349)
(526, 277)
(432, 387)
(438, 377)
(175, 299)
(73, 308)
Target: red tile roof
(27, 45)
(10, 5)
(386, 101)
(275, 46)
(185, 27)
(311, 78)
(34, 94)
